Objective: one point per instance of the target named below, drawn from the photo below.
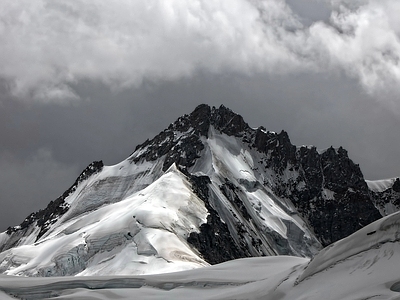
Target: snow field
(143, 234)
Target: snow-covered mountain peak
(181, 142)
(205, 190)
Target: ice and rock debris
(206, 190)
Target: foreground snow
(362, 266)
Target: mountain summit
(207, 189)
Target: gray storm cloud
(47, 46)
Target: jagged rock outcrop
(330, 193)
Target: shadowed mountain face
(205, 190)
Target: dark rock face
(230, 192)
(351, 207)
(228, 122)
(261, 138)
(327, 189)
(54, 209)
(214, 241)
(340, 172)
(177, 147)
(396, 185)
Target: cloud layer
(48, 46)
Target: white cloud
(364, 41)
(46, 46)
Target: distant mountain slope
(207, 189)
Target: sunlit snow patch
(143, 234)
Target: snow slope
(143, 233)
(380, 185)
(362, 266)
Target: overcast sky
(88, 80)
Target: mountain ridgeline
(256, 194)
(327, 189)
